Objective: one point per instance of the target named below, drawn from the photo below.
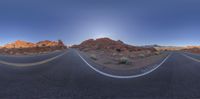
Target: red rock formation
(47, 43)
(19, 44)
(24, 44)
(23, 47)
(108, 44)
(193, 49)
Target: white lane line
(31, 64)
(191, 53)
(121, 77)
(194, 59)
(31, 55)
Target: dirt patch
(120, 61)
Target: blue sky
(136, 22)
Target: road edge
(189, 57)
(32, 64)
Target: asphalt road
(69, 77)
(28, 58)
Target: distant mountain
(150, 46)
(169, 48)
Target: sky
(136, 22)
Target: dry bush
(124, 60)
(93, 56)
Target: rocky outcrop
(48, 43)
(20, 44)
(23, 47)
(24, 44)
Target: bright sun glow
(102, 35)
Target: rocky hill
(112, 53)
(108, 45)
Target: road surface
(69, 77)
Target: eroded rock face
(24, 44)
(23, 47)
(49, 43)
(20, 44)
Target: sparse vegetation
(124, 60)
(141, 55)
(93, 56)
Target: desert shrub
(124, 60)
(141, 55)
(93, 56)
(118, 50)
(157, 53)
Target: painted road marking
(31, 64)
(194, 59)
(31, 55)
(122, 77)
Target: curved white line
(31, 55)
(191, 53)
(31, 64)
(121, 77)
(194, 59)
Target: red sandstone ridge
(24, 44)
(19, 44)
(50, 43)
(193, 49)
(23, 47)
(108, 44)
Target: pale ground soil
(109, 61)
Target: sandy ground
(113, 62)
